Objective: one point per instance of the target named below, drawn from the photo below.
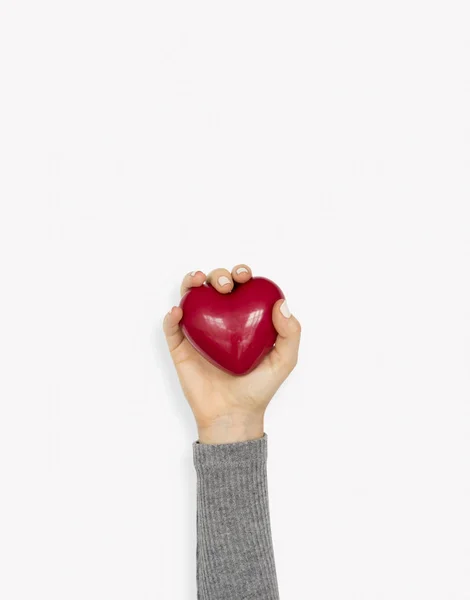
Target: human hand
(230, 408)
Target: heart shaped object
(233, 331)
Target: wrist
(231, 428)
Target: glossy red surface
(233, 331)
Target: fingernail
(223, 280)
(193, 273)
(285, 310)
(241, 270)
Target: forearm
(235, 559)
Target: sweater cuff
(229, 455)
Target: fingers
(288, 339)
(193, 279)
(241, 273)
(221, 280)
(174, 335)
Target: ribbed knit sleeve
(235, 559)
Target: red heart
(232, 331)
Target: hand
(230, 408)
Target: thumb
(288, 338)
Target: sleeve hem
(229, 455)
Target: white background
(327, 144)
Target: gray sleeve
(235, 559)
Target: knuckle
(296, 327)
(288, 364)
(292, 364)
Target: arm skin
(235, 559)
